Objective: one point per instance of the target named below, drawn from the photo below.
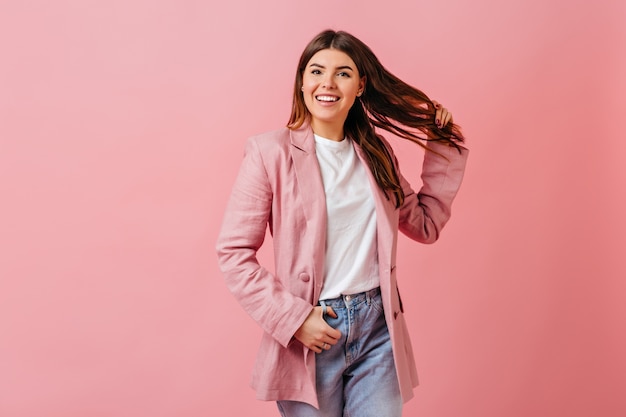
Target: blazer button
(304, 277)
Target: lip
(337, 98)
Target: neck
(332, 131)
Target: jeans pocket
(377, 303)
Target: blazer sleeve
(260, 293)
(423, 215)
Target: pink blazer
(279, 184)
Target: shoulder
(271, 149)
(271, 141)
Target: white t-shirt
(351, 252)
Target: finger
(438, 108)
(333, 333)
(331, 312)
(446, 117)
(440, 115)
(450, 119)
(326, 345)
(443, 118)
(330, 342)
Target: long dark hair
(387, 103)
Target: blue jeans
(357, 376)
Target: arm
(260, 293)
(423, 215)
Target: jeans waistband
(350, 299)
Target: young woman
(335, 342)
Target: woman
(335, 341)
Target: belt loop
(324, 307)
(368, 297)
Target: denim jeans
(357, 376)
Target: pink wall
(122, 124)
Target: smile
(327, 98)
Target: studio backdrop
(123, 124)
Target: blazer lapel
(385, 215)
(311, 191)
(308, 175)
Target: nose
(329, 81)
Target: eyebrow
(342, 67)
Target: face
(330, 84)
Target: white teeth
(327, 98)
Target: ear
(362, 83)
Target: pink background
(122, 125)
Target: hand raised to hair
(315, 333)
(442, 115)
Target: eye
(316, 72)
(344, 74)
